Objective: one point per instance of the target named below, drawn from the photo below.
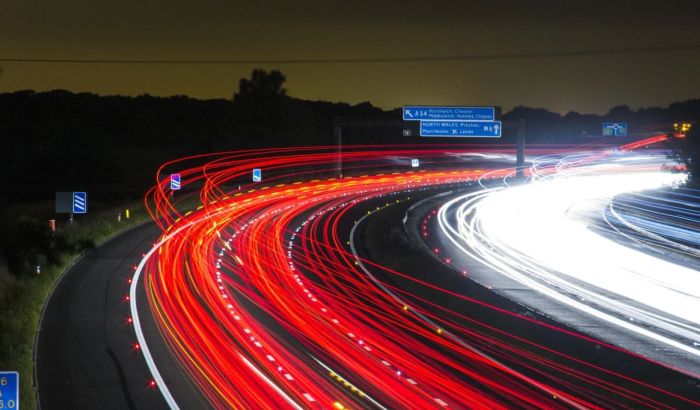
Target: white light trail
(535, 235)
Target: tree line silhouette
(112, 145)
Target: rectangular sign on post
(9, 390)
(428, 113)
(257, 175)
(175, 182)
(79, 202)
(415, 163)
(64, 202)
(488, 129)
(615, 129)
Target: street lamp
(680, 130)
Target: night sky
(208, 29)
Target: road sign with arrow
(487, 129)
(443, 121)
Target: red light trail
(261, 300)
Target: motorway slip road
(86, 355)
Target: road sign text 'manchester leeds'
(451, 121)
(488, 129)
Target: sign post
(614, 129)
(430, 113)
(79, 202)
(338, 131)
(175, 182)
(436, 121)
(520, 150)
(9, 390)
(488, 129)
(71, 203)
(257, 175)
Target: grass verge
(23, 296)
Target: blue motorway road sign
(79, 202)
(9, 390)
(175, 182)
(416, 113)
(257, 175)
(489, 129)
(615, 129)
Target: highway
(538, 236)
(259, 260)
(309, 291)
(86, 355)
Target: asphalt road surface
(386, 242)
(86, 358)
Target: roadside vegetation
(27, 243)
(685, 147)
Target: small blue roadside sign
(175, 182)
(9, 390)
(614, 129)
(257, 175)
(488, 129)
(79, 202)
(428, 113)
(415, 163)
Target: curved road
(259, 298)
(85, 356)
